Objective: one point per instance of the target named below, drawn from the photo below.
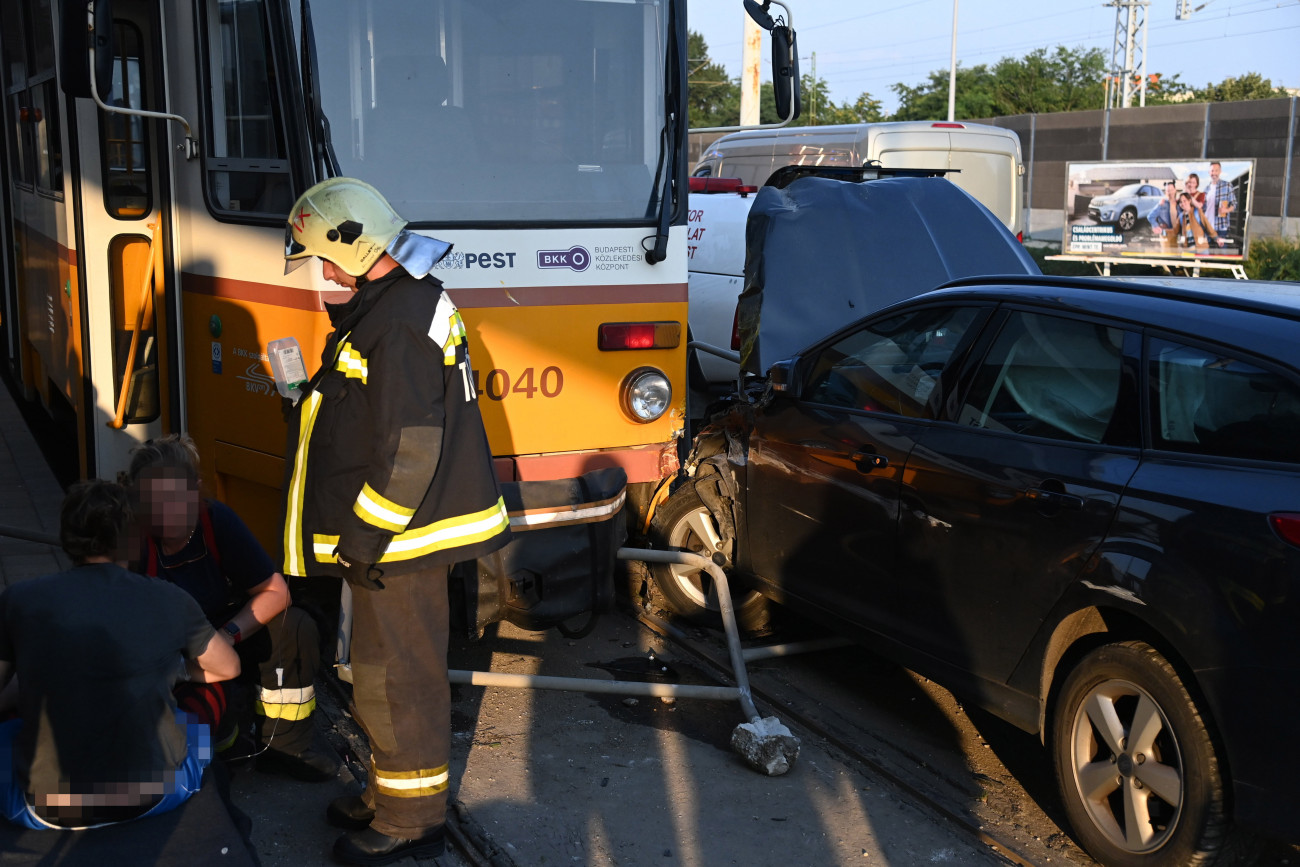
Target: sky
(868, 46)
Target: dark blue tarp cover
(821, 253)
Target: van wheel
(684, 523)
(1136, 765)
(1128, 218)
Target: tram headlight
(646, 394)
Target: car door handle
(867, 460)
(1055, 499)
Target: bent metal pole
(581, 684)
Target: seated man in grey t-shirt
(96, 651)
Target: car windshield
(497, 110)
(1128, 190)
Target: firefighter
(390, 482)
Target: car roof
(1269, 297)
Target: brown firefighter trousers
(403, 699)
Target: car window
(890, 365)
(1050, 377)
(1211, 402)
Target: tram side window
(32, 98)
(128, 190)
(247, 169)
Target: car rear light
(948, 125)
(1020, 236)
(617, 336)
(1287, 526)
(720, 185)
(735, 330)
(646, 394)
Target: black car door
(1008, 498)
(826, 461)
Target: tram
(152, 151)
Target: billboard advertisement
(1186, 209)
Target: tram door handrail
(143, 321)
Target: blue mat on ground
(206, 829)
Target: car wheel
(1128, 218)
(1137, 767)
(684, 523)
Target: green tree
(975, 95)
(1068, 79)
(819, 109)
(1252, 85)
(712, 99)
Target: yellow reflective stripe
(323, 547)
(448, 533)
(410, 784)
(351, 363)
(294, 560)
(299, 695)
(379, 511)
(447, 329)
(455, 337)
(438, 536)
(291, 712)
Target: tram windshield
(498, 111)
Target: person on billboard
(1165, 218)
(390, 481)
(1220, 200)
(1194, 228)
(1193, 189)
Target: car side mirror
(78, 37)
(783, 377)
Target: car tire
(1109, 774)
(1128, 220)
(684, 523)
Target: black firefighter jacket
(389, 461)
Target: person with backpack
(203, 547)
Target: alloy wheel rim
(1127, 766)
(697, 534)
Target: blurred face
(1215, 169)
(1184, 202)
(1170, 190)
(169, 504)
(1193, 183)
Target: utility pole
(1131, 45)
(952, 69)
(814, 88)
(749, 83)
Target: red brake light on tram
(721, 185)
(1287, 526)
(617, 336)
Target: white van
(988, 157)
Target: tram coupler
(764, 743)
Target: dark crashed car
(1074, 502)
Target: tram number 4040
(498, 384)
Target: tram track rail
(716, 664)
(477, 848)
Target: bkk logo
(574, 258)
